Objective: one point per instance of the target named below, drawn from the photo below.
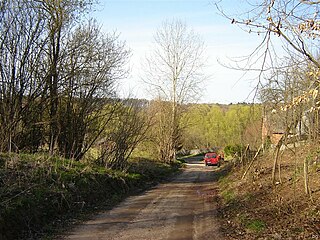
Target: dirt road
(182, 209)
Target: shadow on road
(183, 208)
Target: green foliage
(125, 130)
(267, 142)
(231, 150)
(218, 125)
(228, 196)
(255, 225)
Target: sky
(138, 20)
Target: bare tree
(174, 72)
(297, 23)
(92, 63)
(57, 73)
(21, 48)
(285, 95)
(61, 17)
(127, 128)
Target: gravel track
(184, 208)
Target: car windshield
(212, 155)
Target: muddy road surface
(184, 208)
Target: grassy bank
(40, 193)
(254, 208)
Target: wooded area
(59, 73)
(58, 89)
(58, 95)
(288, 81)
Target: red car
(212, 159)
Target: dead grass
(254, 208)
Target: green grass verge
(227, 194)
(38, 192)
(255, 225)
(251, 225)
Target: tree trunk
(244, 155)
(275, 162)
(306, 176)
(255, 156)
(279, 144)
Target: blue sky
(137, 21)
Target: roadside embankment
(39, 193)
